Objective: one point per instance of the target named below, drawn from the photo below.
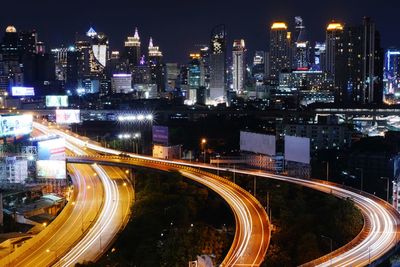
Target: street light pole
(203, 143)
(327, 171)
(361, 176)
(387, 188)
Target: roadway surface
(383, 220)
(97, 211)
(252, 232)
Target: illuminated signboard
(56, 101)
(22, 91)
(160, 135)
(53, 149)
(15, 125)
(51, 169)
(67, 116)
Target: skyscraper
(157, 70)
(217, 63)
(239, 66)
(359, 64)
(334, 33)
(301, 47)
(280, 49)
(392, 73)
(132, 49)
(319, 56)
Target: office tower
(239, 66)
(301, 47)
(172, 74)
(72, 70)
(334, 33)
(28, 42)
(157, 70)
(280, 49)
(372, 64)
(359, 64)
(100, 46)
(194, 71)
(132, 49)
(11, 69)
(60, 61)
(319, 57)
(392, 74)
(217, 63)
(205, 68)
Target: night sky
(177, 25)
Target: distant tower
(301, 47)
(333, 36)
(239, 66)
(280, 46)
(132, 49)
(217, 63)
(157, 71)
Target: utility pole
(255, 186)
(387, 188)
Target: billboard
(22, 91)
(56, 101)
(258, 143)
(15, 125)
(68, 116)
(297, 149)
(160, 135)
(51, 169)
(53, 149)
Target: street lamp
(361, 176)
(387, 188)
(330, 240)
(327, 170)
(203, 144)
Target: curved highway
(383, 220)
(252, 226)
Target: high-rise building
(280, 49)
(392, 74)
(334, 33)
(217, 63)
(157, 70)
(301, 47)
(359, 64)
(319, 57)
(132, 49)
(239, 66)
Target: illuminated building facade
(157, 70)
(301, 47)
(359, 65)
(392, 76)
(334, 33)
(218, 64)
(319, 57)
(280, 49)
(132, 50)
(239, 66)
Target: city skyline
(163, 21)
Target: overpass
(381, 231)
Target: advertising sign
(15, 125)
(53, 149)
(68, 116)
(22, 91)
(258, 143)
(56, 101)
(297, 149)
(160, 135)
(51, 169)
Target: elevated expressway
(252, 232)
(98, 209)
(380, 234)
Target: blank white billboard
(297, 149)
(258, 143)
